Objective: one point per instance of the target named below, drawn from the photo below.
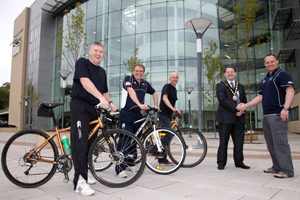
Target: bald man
(167, 107)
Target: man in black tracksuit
(89, 88)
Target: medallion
(234, 92)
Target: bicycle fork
(157, 139)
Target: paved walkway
(202, 182)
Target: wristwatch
(285, 108)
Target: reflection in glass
(91, 9)
(128, 20)
(175, 15)
(158, 17)
(143, 19)
(158, 45)
(114, 24)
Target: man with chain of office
(230, 94)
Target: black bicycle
(194, 141)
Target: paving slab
(204, 181)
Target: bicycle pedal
(159, 167)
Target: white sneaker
(122, 174)
(133, 169)
(91, 180)
(83, 188)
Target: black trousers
(81, 115)
(237, 132)
(126, 122)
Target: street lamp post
(64, 75)
(26, 98)
(199, 24)
(189, 90)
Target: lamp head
(64, 73)
(189, 89)
(198, 24)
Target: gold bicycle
(30, 158)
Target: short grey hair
(138, 65)
(97, 44)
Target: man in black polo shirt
(133, 99)
(89, 88)
(276, 94)
(167, 107)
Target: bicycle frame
(174, 123)
(98, 123)
(146, 120)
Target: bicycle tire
(196, 146)
(108, 176)
(175, 150)
(24, 173)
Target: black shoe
(220, 167)
(243, 166)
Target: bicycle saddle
(51, 104)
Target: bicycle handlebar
(102, 110)
(152, 109)
(178, 115)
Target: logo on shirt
(143, 84)
(270, 78)
(128, 83)
(134, 82)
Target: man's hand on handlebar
(157, 108)
(143, 107)
(178, 114)
(104, 103)
(113, 107)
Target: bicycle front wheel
(173, 148)
(115, 151)
(196, 146)
(33, 171)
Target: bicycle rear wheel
(28, 173)
(196, 146)
(105, 158)
(175, 150)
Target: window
(294, 114)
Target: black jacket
(227, 106)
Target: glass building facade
(156, 28)
(164, 45)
